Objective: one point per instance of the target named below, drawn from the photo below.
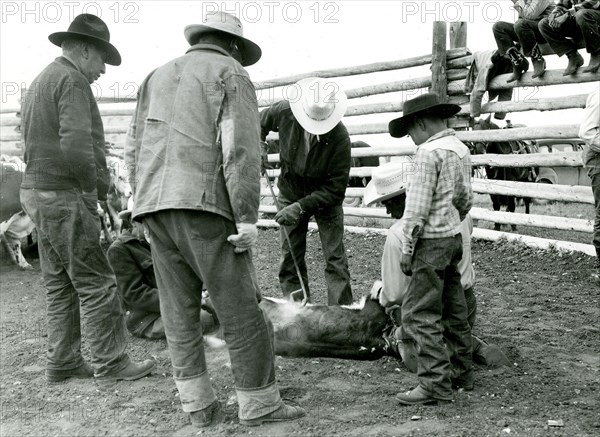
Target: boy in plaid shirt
(439, 196)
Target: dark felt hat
(93, 29)
(426, 104)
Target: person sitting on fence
(525, 31)
(590, 132)
(569, 21)
(388, 187)
(439, 197)
(131, 260)
(314, 151)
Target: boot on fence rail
(538, 61)
(575, 61)
(520, 64)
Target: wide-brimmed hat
(388, 180)
(93, 29)
(319, 104)
(426, 104)
(230, 24)
(126, 213)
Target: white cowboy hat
(319, 105)
(126, 213)
(230, 24)
(388, 180)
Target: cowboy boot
(575, 61)
(594, 64)
(538, 61)
(520, 64)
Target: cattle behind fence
(449, 72)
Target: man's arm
(463, 197)
(589, 130)
(75, 132)
(395, 282)
(532, 10)
(239, 132)
(418, 199)
(130, 280)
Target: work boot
(464, 381)
(282, 414)
(575, 61)
(211, 415)
(538, 61)
(594, 64)
(418, 396)
(132, 372)
(57, 376)
(519, 63)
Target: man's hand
(289, 215)
(406, 263)
(245, 238)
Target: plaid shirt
(575, 5)
(439, 193)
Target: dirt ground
(540, 307)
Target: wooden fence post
(439, 81)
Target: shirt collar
(444, 133)
(204, 46)
(69, 61)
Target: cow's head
(119, 178)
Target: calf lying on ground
(362, 331)
(352, 332)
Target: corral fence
(450, 61)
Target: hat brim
(317, 127)
(125, 214)
(398, 127)
(251, 51)
(114, 57)
(371, 195)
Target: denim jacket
(193, 142)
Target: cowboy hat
(319, 105)
(93, 29)
(426, 104)
(229, 24)
(126, 213)
(388, 180)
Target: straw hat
(426, 104)
(93, 29)
(319, 105)
(227, 23)
(388, 180)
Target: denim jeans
(189, 250)
(331, 231)
(585, 25)
(79, 282)
(524, 31)
(434, 314)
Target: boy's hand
(406, 263)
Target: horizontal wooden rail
(551, 77)
(374, 67)
(563, 193)
(533, 104)
(478, 234)
(509, 218)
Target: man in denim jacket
(194, 144)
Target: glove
(264, 158)
(245, 238)
(289, 215)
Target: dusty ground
(540, 307)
